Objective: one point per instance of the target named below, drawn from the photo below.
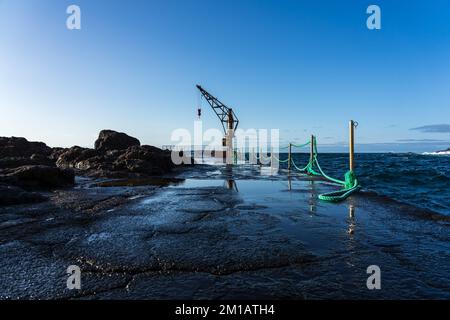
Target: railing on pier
(350, 183)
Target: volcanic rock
(112, 140)
(144, 159)
(71, 158)
(21, 147)
(38, 177)
(112, 159)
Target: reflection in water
(228, 171)
(230, 182)
(351, 211)
(312, 198)
(352, 242)
(231, 185)
(351, 219)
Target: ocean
(415, 179)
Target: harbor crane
(226, 116)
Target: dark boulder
(38, 177)
(14, 162)
(35, 166)
(73, 157)
(21, 147)
(112, 140)
(10, 195)
(40, 159)
(17, 152)
(116, 155)
(146, 160)
(56, 152)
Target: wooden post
(289, 157)
(257, 155)
(351, 144)
(229, 138)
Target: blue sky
(301, 66)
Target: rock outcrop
(144, 160)
(16, 152)
(21, 147)
(72, 157)
(112, 140)
(116, 155)
(29, 166)
(38, 177)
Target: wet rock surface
(11, 195)
(256, 237)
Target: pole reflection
(312, 198)
(351, 219)
(231, 185)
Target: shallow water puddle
(288, 208)
(274, 192)
(158, 182)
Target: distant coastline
(441, 152)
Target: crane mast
(227, 118)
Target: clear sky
(301, 66)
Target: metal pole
(351, 144)
(289, 157)
(260, 156)
(312, 149)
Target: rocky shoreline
(29, 169)
(139, 228)
(199, 235)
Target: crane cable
(199, 105)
